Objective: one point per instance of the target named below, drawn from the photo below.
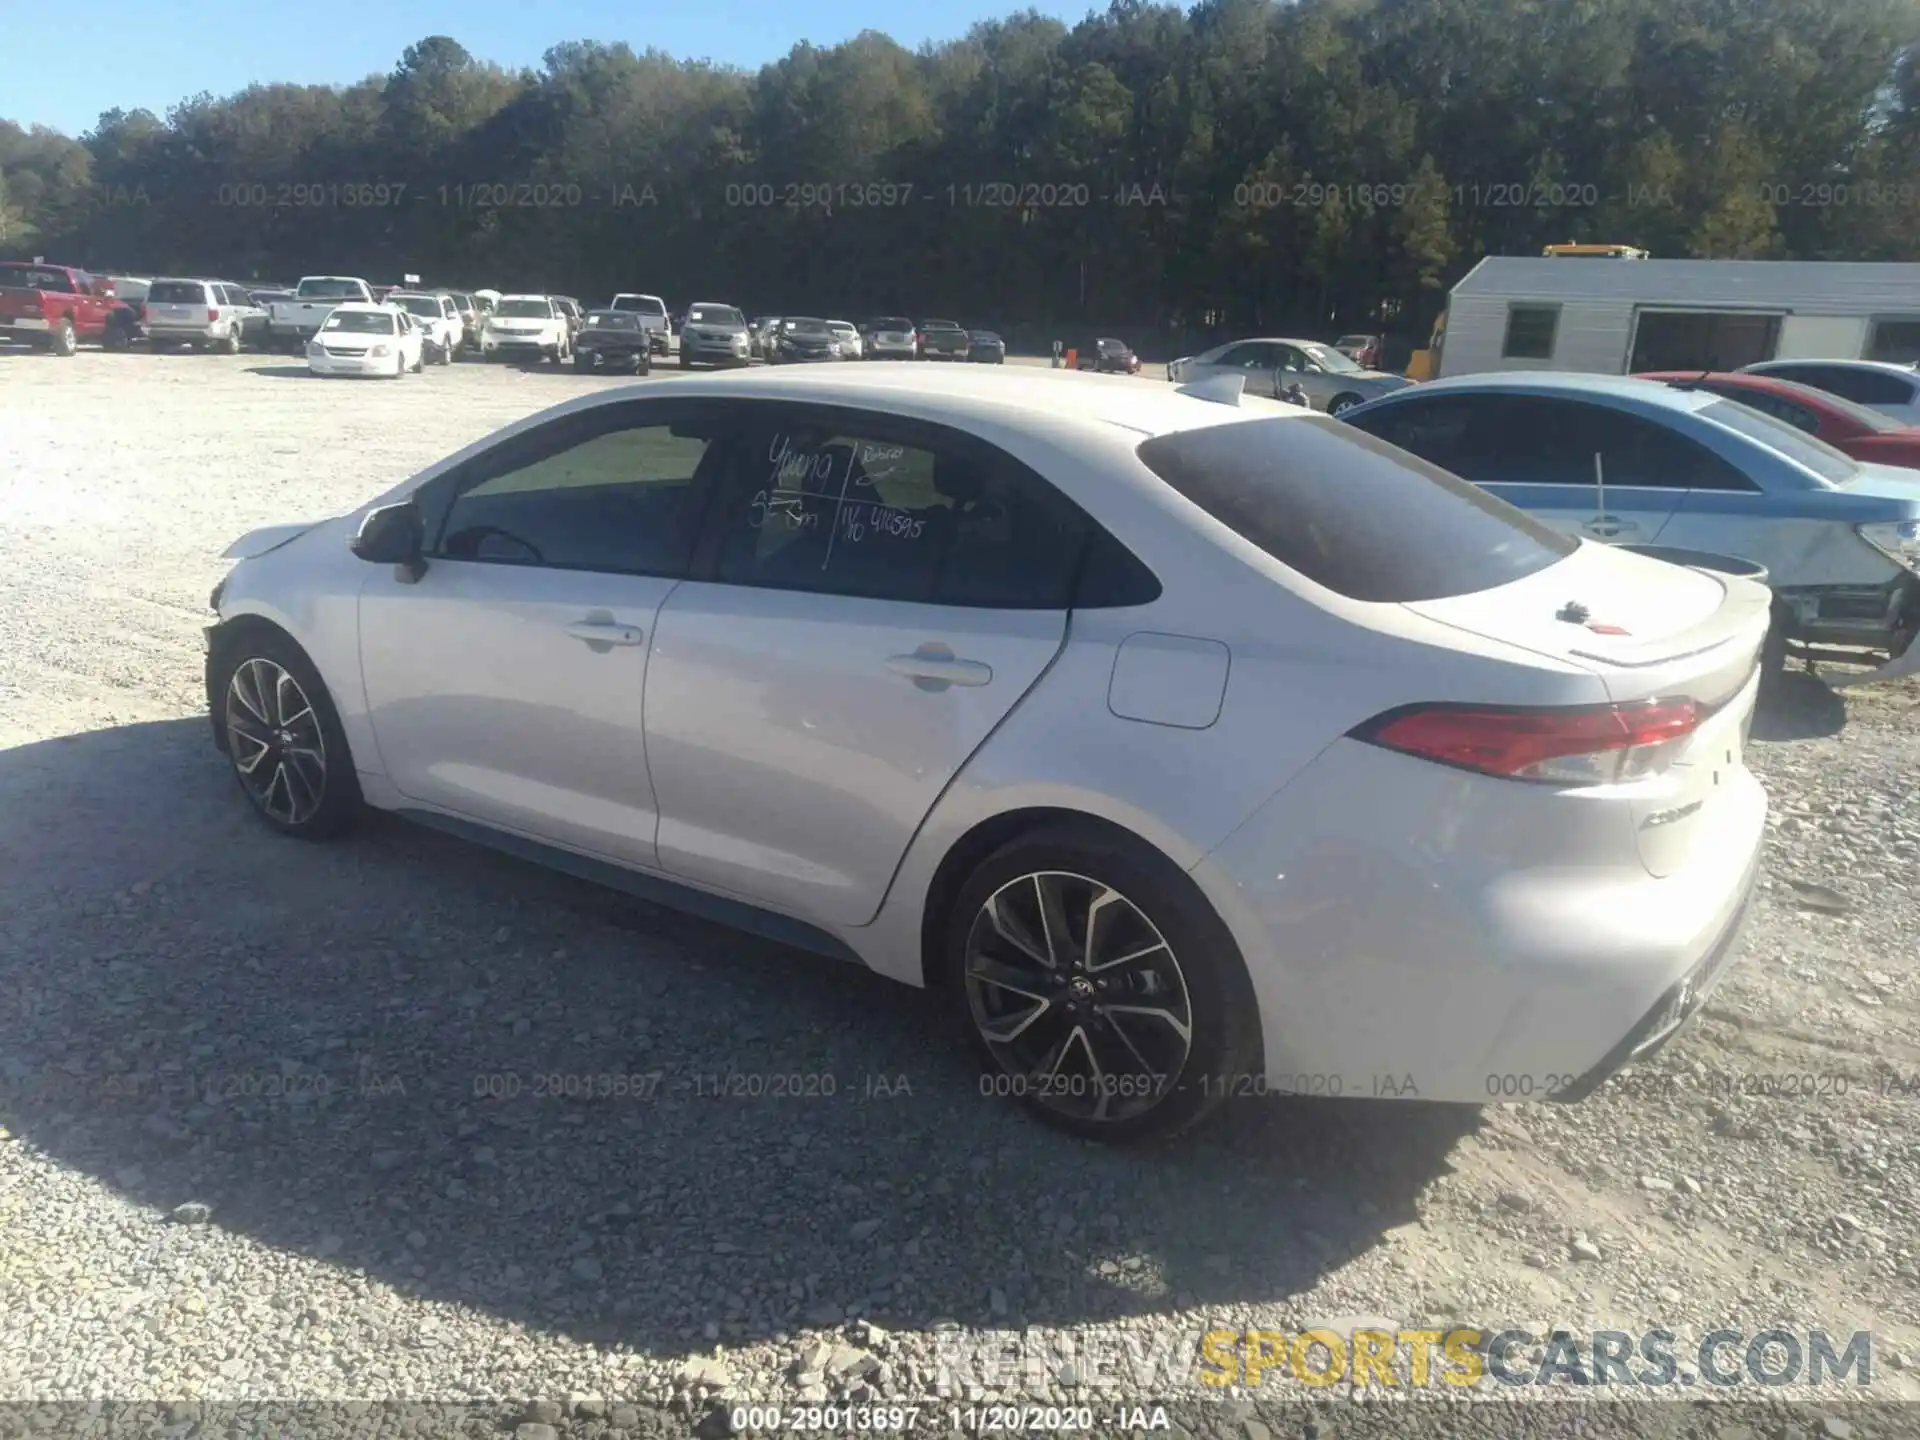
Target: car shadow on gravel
(1799, 706)
(480, 1082)
(282, 372)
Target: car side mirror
(394, 535)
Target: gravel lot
(193, 1013)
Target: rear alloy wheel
(230, 343)
(284, 741)
(1100, 987)
(64, 342)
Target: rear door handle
(934, 667)
(601, 632)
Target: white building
(1621, 316)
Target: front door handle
(603, 632)
(934, 667)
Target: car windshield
(1114, 347)
(1352, 513)
(1330, 360)
(640, 304)
(841, 327)
(986, 335)
(330, 290)
(422, 305)
(890, 322)
(1357, 341)
(359, 322)
(715, 315)
(1798, 446)
(938, 325)
(525, 310)
(613, 320)
(177, 292)
(805, 326)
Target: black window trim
(436, 498)
(1514, 309)
(757, 417)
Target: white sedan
(1194, 744)
(362, 339)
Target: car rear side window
(177, 292)
(1805, 450)
(1859, 384)
(1351, 512)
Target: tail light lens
(1579, 745)
(212, 314)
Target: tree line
(1247, 165)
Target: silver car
(1331, 381)
(715, 335)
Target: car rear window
(176, 292)
(640, 304)
(329, 290)
(890, 322)
(612, 320)
(715, 315)
(1798, 446)
(525, 310)
(1352, 513)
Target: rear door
(878, 595)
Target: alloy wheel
(275, 741)
(1078, 996)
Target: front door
(506, 685)
(878, 596)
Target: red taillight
(1590, 745)
(212, 314)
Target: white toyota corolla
(1196, 744)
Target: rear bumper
(887, 352)
(203, 331)
(1480, 944)
(32, 324)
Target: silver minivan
(205, 314)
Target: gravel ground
(259, 1135)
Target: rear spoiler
(1745, 599)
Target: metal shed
(1619, 316)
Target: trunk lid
(1687, 633)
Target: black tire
(1773, 653)
(1197, 948)
(338, 804)
(230, 344)
(1342, 402)
(63, 342)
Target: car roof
(1894, 367)
(1628, 388)
(1741, 380)
(986, 395)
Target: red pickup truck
(55, 307)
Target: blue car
(1627, 461)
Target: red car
(1852, 429)
(56, 307)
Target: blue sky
(119, 52)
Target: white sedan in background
(1194, 745)
(361, 339)
(848, 338)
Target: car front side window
(616, 493)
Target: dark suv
(941, 340)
